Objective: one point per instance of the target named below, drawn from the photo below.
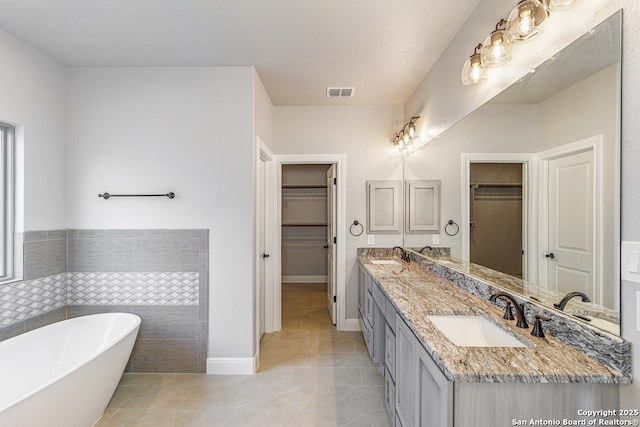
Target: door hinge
(335, 240)
(334, 298)
(335, 181)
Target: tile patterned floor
(310, 375)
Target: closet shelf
(304, 186)
(304, 225)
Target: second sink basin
(474, 331)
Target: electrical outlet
(371, 239)
(630, 261)
(435, 239)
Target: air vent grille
(341, 92)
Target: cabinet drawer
(390, 352)
(390, 315)
(390, 396)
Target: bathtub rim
(130, 329)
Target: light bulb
(496, 49)
(526, 23)
(476, 73)
(412, 131)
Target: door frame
(264, 153)
(593, 144)
(529, 228)
(339, 160)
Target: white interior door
(260, 297)
(571, 219)
(330, 243)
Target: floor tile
(310, 374)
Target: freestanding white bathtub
(65, 373)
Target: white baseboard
(232, 365)
(304, 279)
(352, 325)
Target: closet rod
(107, 196)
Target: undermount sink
(474, 331)
(385, 262)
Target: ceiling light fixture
(407, 134)
(473, 72)
(496, 49)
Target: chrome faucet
(522, 321)
(403, 253)
(570, 295)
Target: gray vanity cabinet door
(362, 289)
(383, 206)
(434, 393)
(405, 369)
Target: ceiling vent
(340, 92)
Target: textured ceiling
(383, 48)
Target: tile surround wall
(161, 275)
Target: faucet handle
(537, 325)
(508, 313)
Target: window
(7, 133)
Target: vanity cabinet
(405, 375)
(418, 393)
(424, 396)
(372, 316)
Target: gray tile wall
(161, 275)
(40, 298)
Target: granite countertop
(417, 293)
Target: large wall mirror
(532, 180)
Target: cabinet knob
(550, 256)
(265, 255)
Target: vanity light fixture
(525, 20)
(473, 72)
(496, 50)
(524, 24)
(407, 134)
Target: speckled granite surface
(416, 293)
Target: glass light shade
(473, 72)
(525, 20)
(560, 5)
(496, 49)
(405, 137)
(412, 130)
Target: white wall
(186, 130)
(442, 100)
(263, 112)
(33, 96)
(363, 133)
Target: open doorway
(496, 216)
(496, 211)
(308, 238)
(275, 292)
